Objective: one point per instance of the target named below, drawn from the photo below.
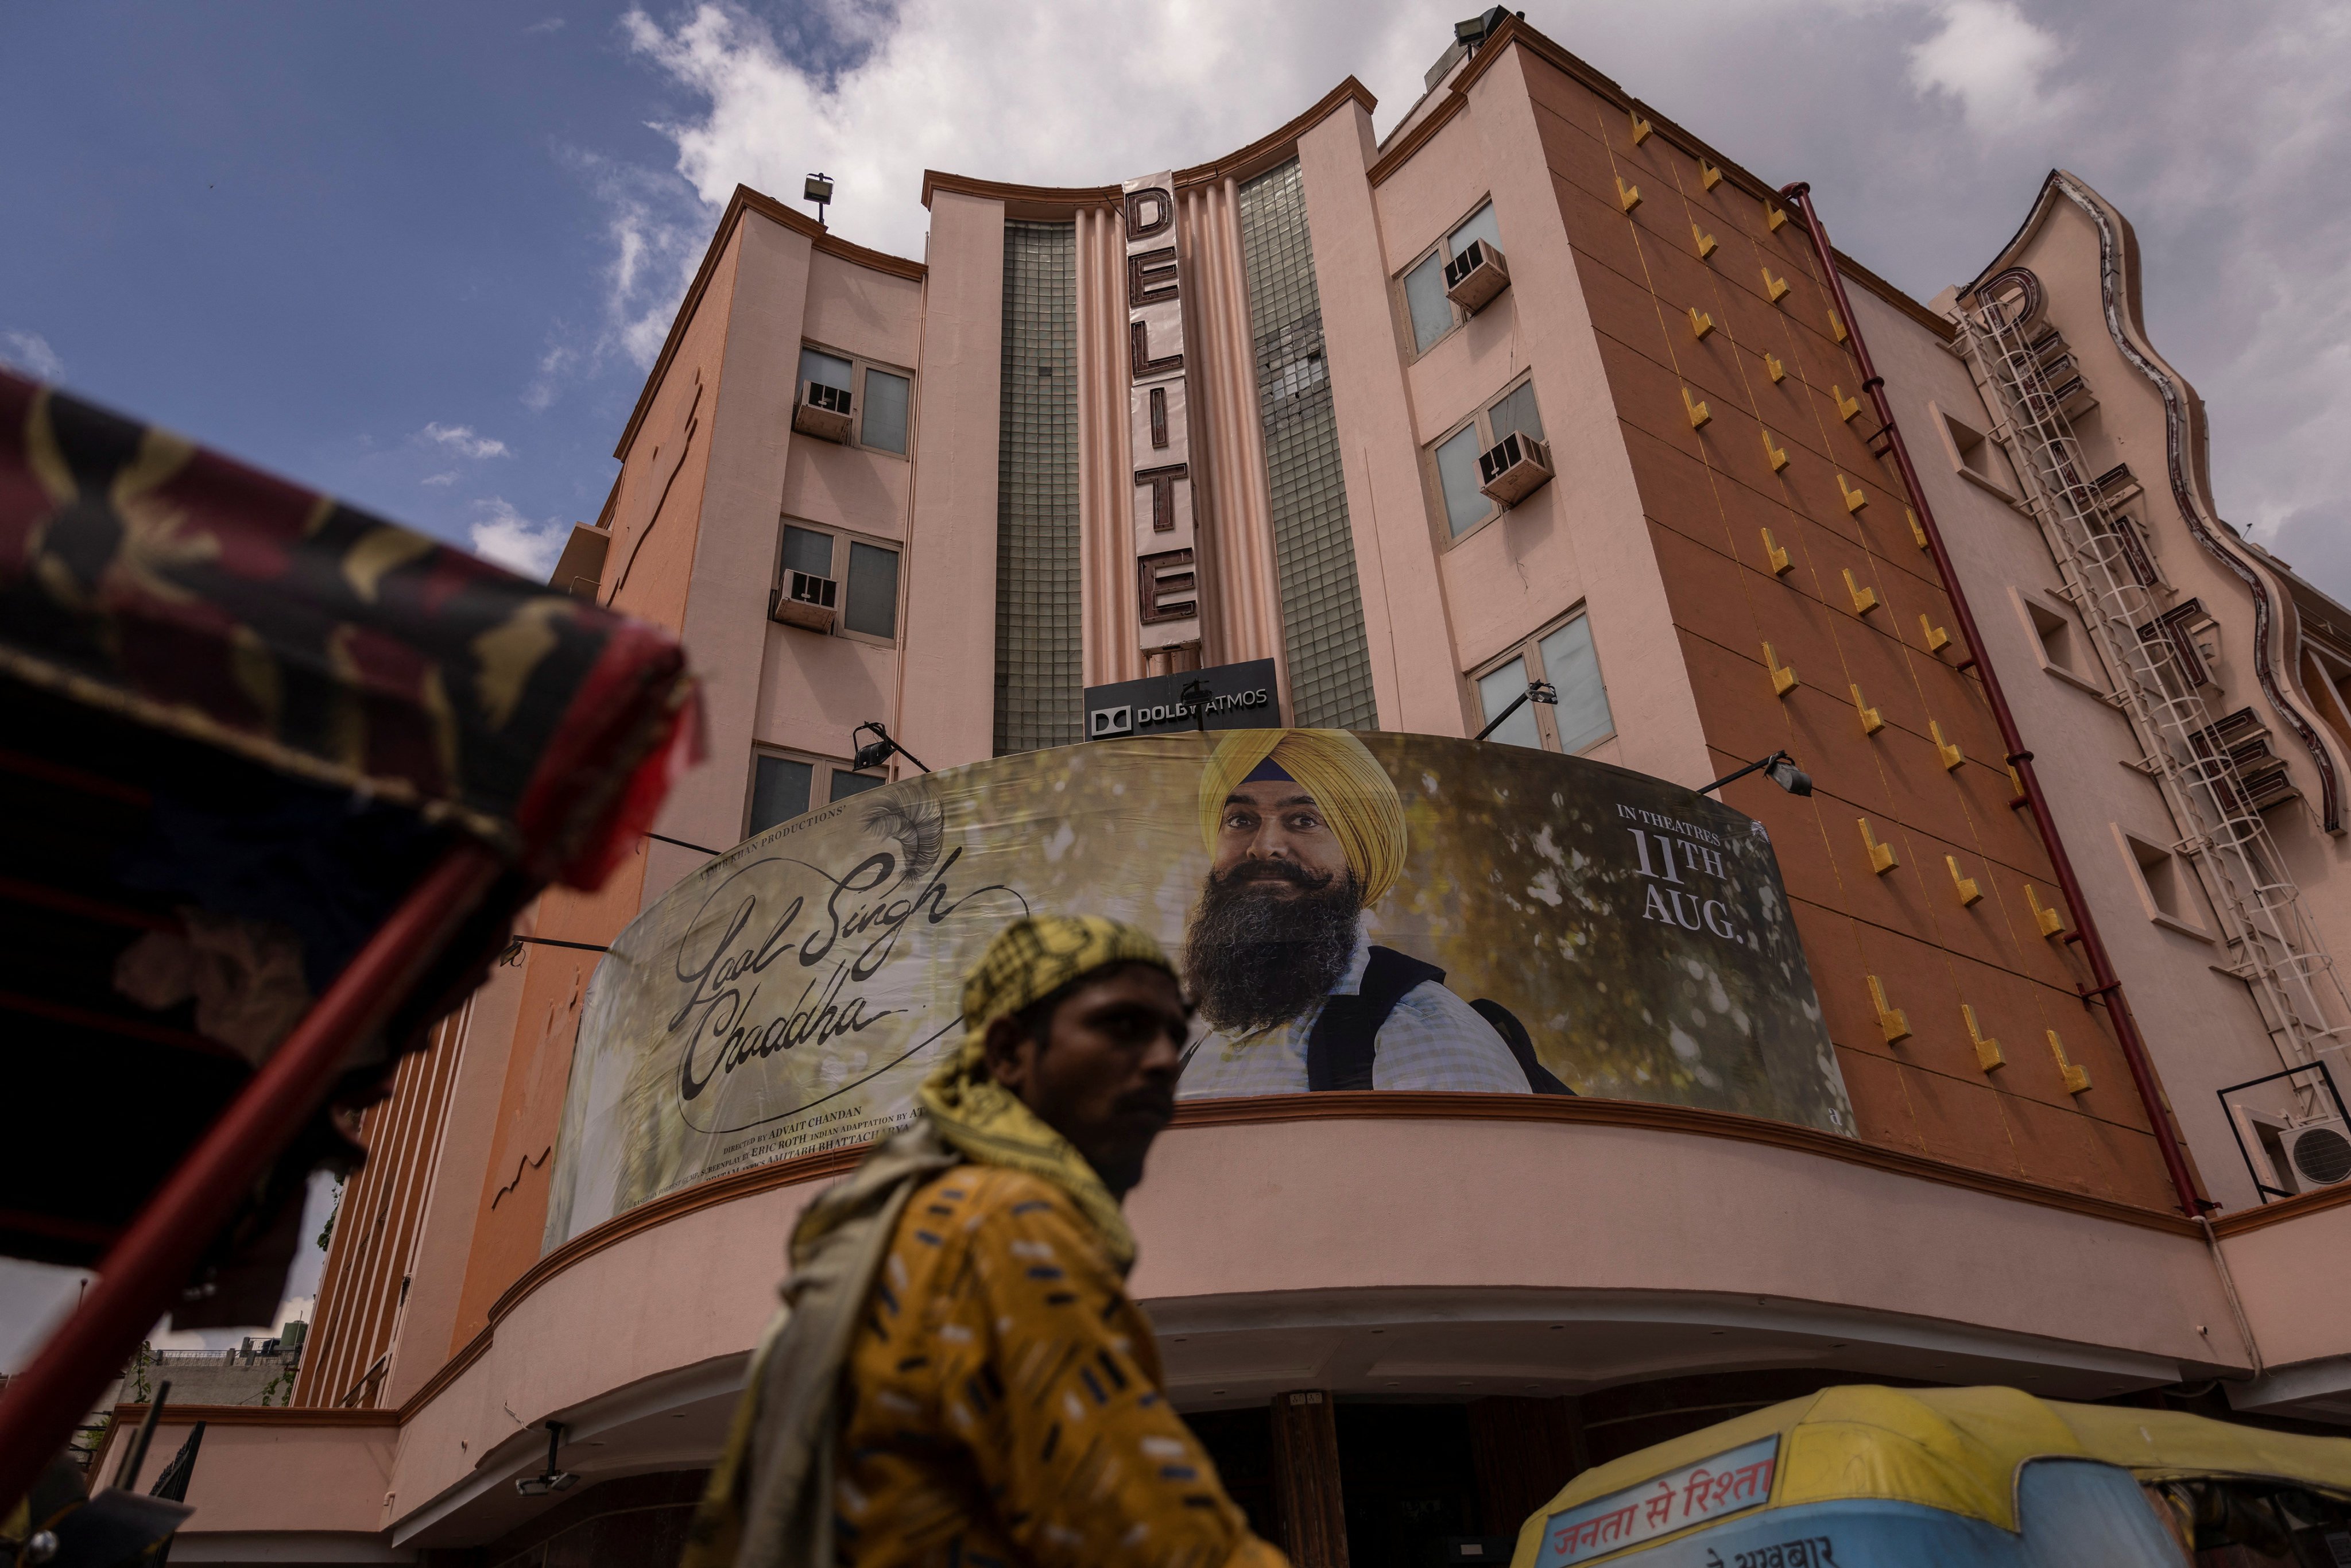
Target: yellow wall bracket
(1881, 856)
(1847, 406)
(1706, 243)
(1916, 531)
(2076, 1078)
(1784, 676)
(1627, 196)
(1781, 564)
(1988, 1055)
(1865, 599)
(1943, 749)
(1892, 1021)
(2050, 919)
(1774, 288)
(2017, 779)
(1936, 638)
(1854, 499)
(1774, 368)
(1775, 455)
(1700, 323)
(1708, 176)
(1641, 129)
(1774, 217)
(1969, 891)
(1697, 411)
(1836, 326)
(1871, 720)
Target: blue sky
(422, 255)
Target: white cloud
(448, 478)
(30, 352)
(546, 24)
(505, 535)
(1991, 57)
(461, 439)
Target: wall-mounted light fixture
(1779, 767)
(880, 749)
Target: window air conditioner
(1513, 468)
(822, 412)
(2320, 1152)
(1475, 276)
(805, 599)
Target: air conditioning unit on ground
(822, 412)
(1475, 276)
(2320, 1152)
(805, 599)
(1513, 468)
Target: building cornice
(130, 1416)
(1054, 203)
(747, 200)
(2280, 1212)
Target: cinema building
(1372, 435)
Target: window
(868, 573)
(1433, 315)
(1456, 456)
(784, 786)
(882, 404)
(2163, 884)
(1972, 453)
(2059, 640)
(1565, 657)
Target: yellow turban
(1354, 791)
(1029, 960)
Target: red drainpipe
(2107, 986)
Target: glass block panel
(1516, 412)
(845, 783)
(779, 791)
(885, 411)
(1424, 295)
(1571, 664)
(1038, 677)
(1314, 552)
(805, 550)
(1456, 472)
(1498, 691)
(825, 370)
(1479, 225)
(873, 597)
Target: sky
(423, 256)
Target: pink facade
(1636, 1268)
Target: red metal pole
(146, 1268)
(2106, 984)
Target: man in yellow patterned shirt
(959, 1375)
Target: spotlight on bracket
(818, 190)
(1779, 767)
(550, 1480)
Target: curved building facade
(1364, 435)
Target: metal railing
(2155, 674)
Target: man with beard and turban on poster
(1305, 834)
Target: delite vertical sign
(1158, 417)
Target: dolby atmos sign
(1235, 696)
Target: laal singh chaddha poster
(1499, 920)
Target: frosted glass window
(1456, 472)
(873, 606)
(1570, 665)
(781, 791)
(845, 784)
(1424, 296)
(885, 411)
(1479, 225)
(805, 550)
(1498, 691)
(826, 370)
(1516, 412)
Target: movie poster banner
(1350, 911)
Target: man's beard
(1254, 956)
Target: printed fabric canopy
(238, 722)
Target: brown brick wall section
(1710, 493)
